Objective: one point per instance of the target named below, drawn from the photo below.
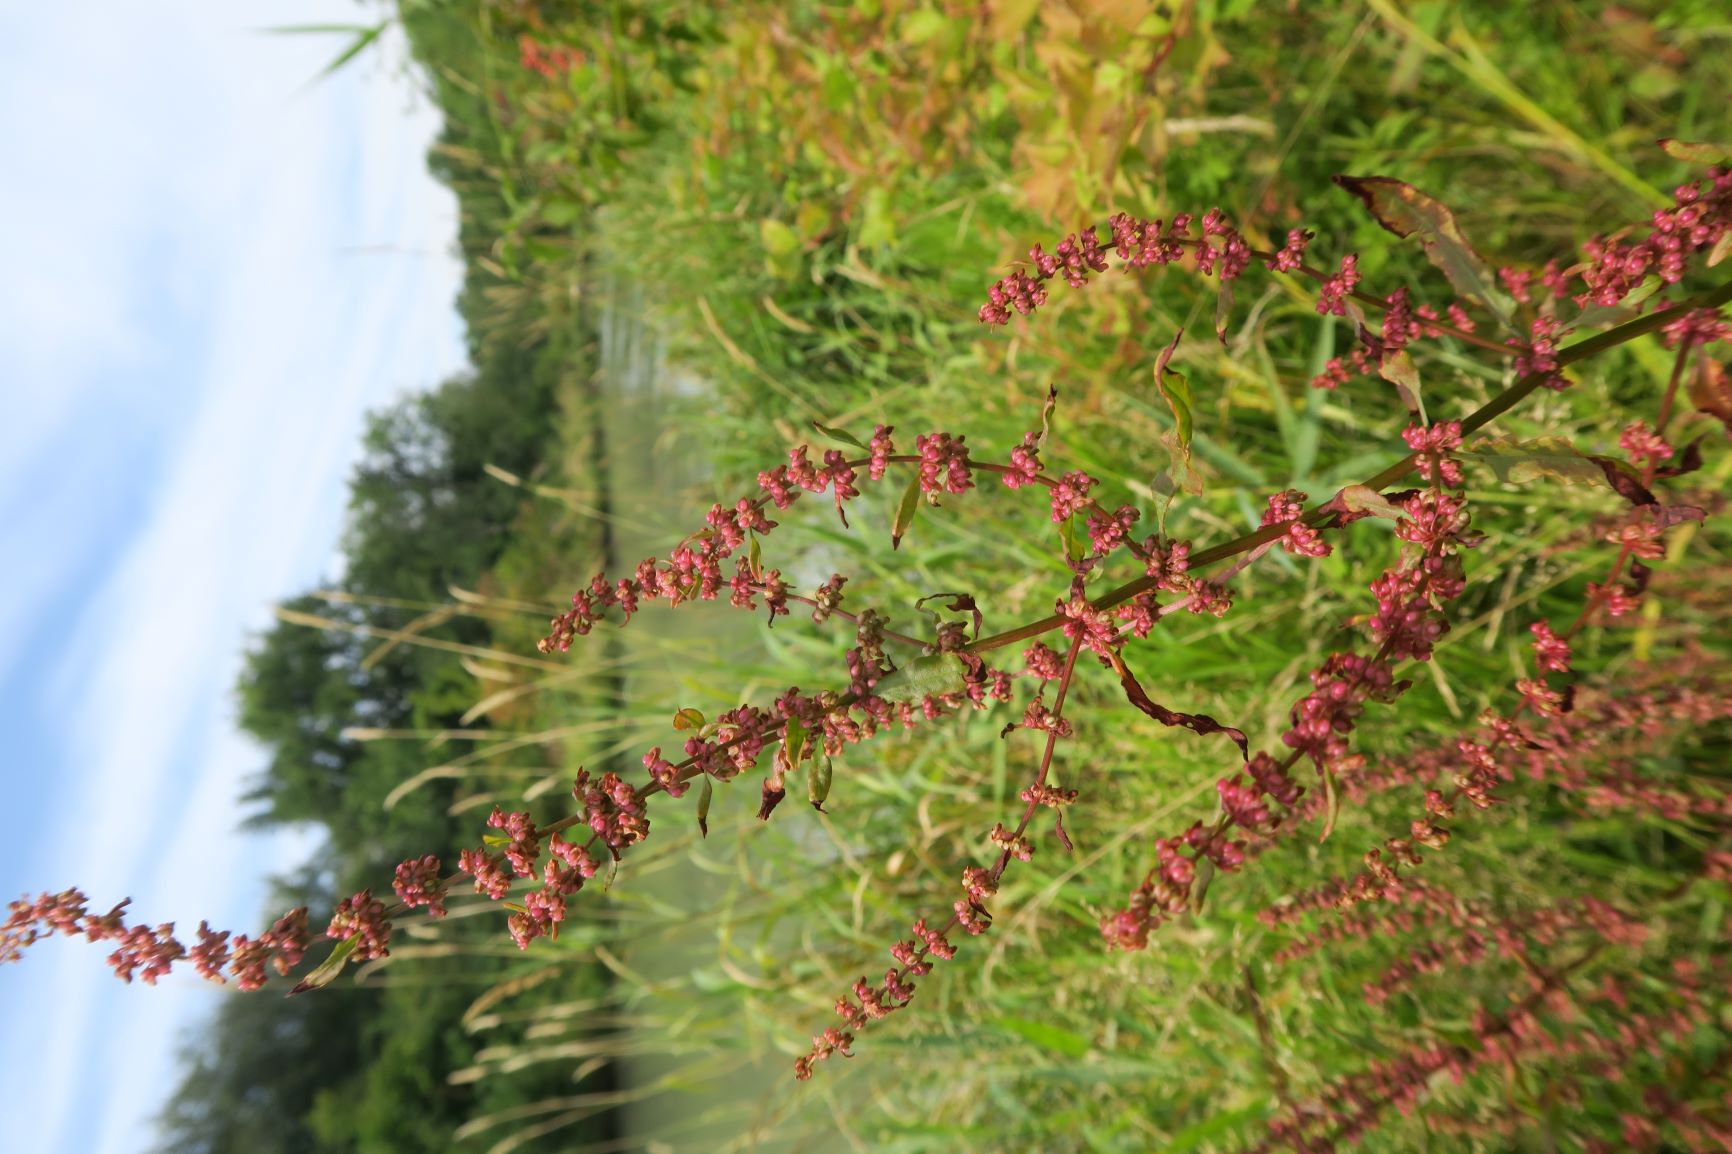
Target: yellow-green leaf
(922, 678)
(1696, 151)
(905, 511)
(327, 970)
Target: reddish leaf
(1198, 723)
(773, 795)
(1626, 486)
(1688, 461)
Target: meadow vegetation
(694, 230)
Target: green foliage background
(799, 205)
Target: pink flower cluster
(1220, 251)
(1286, 508)
(1697, 219)
(149, 953)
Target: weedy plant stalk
(1649, 281)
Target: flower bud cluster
(1286, 508)
(1698, 217)
(1220, 251)
(149, 953)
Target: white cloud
(186, 260)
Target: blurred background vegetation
(691, 229)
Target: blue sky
(213, 268)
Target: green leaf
(779, 240)
(561, 213)
(1331, 803)
(364, 35)
(877, 219)
(905, 511)
(1518, 462)
(1400, 371)
(1360, 499)
(1048, 1037)
(842, 435)
(1696, 151)
(793, 749)
(922, 25)
(818, 784)
(1408, 212)
(1722, 248)
(1223, 310)
(1177, 392)
(706, 791)
(1200, 887)
(924, 677)
(327, 970)
(1218, 1123)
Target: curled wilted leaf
(1198, 723)
(1177, 391)
(1046, 415)
(958, 603)
(1623, 482)
(1689, 460)
(772, 796)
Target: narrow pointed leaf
(1331, 804)
(1696, 151)
(905, 511)
(1177, 392)
(326, 972)
(842, 435)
